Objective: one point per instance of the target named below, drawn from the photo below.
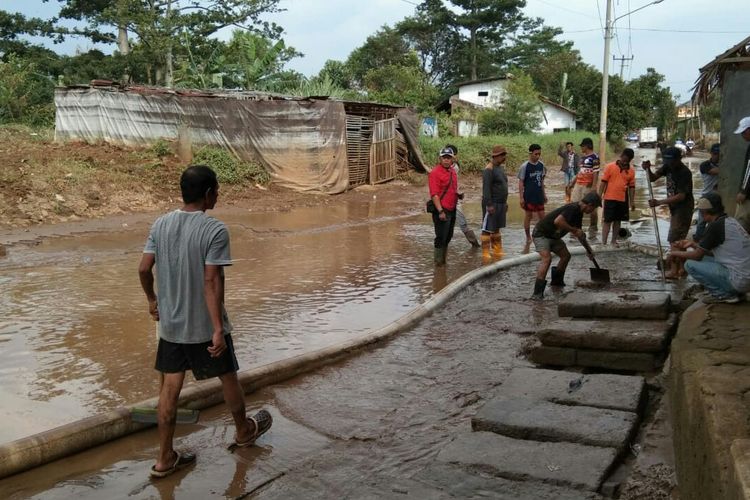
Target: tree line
(419, 61)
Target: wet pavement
(76, 341)
(367, 427)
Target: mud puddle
(368, 427)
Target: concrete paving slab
(604, 304)
(563, 464)
(464, 482)
(603, 390)
(608, 360)
(544, 421)
(607, 335)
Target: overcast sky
(676, 37)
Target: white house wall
(556, 119)
(495, 93)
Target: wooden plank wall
(358, 143)
(383, 151)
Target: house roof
(712, 74)
(558, 106)
(483, 80)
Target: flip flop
(183, 460)
(262, 421)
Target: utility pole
(605, 85)
(605, 72)
(622, 62)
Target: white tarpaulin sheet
(302, 143)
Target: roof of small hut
(712, 74)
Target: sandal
(183, 460)
(262, 422)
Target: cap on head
(447, 152)
(712, 202)
(587, 142)
(451, 146)
(498, 150)
(671, 153)
(743, 125)
(715, 148)
(592, 199)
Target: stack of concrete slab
(555, 427)
(619, 331)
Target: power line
(410, 3)
(568, 10)
(706, 31)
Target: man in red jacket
(443, 183)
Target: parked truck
(647, 137)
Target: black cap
(716, 148)
(592, 199)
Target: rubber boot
(557, 277)
(486, 248)
(496, 242)
(539, 286)
(440, 256)
(472, 238)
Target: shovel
(598, 275)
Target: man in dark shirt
(725, 273)
(679, 199)
(494, 203)
(548, 234)
(742, 213)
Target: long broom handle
(656, 227)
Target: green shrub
(474, 152)
(230, 169)
(161, 148)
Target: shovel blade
(599, 275)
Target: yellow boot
(496, 241)
(485, 247)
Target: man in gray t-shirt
(190, 250)
(720, 261)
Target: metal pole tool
(656, 225)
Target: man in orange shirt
(617, 188)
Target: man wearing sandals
(190, 250)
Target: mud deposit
(369, 427)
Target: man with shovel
(190, 250)
(679, 200)
(548, 238)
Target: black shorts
(175, 358)
(615, 211)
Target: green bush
(230, 169)
(161, 148)
(474, 152)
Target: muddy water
(75, 338)
(368, 427)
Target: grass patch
(230, 169)
(474, 152)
